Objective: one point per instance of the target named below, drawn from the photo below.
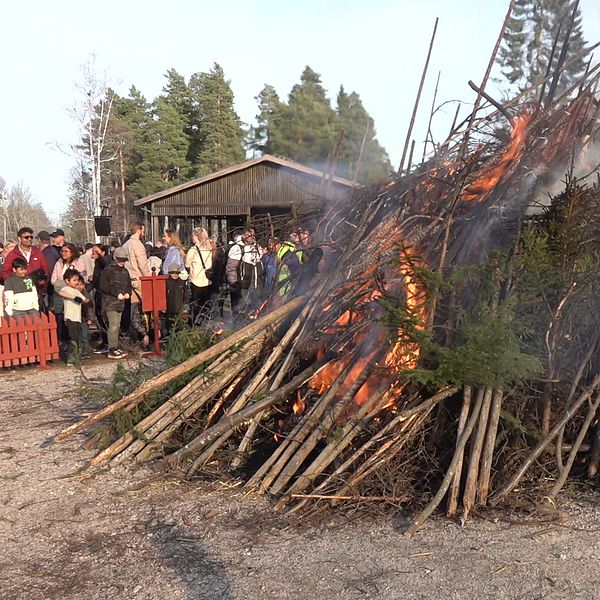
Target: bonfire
(351, 392)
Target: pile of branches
(452, 331)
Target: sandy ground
(129, 533)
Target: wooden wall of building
(236, 193)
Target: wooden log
(321, 429)
(591, 415)
(418, 98)
(578, 375)
(209, 452)
(275, 354)
(474, 459)
(163, 430)
(203, 458)
(404, 420)
(486, 76)
(232, 421)
(130, 437)
(177, 408)
(595, 455)
(460, 447)
(259, 380)
(164, 378)
(336, 446)
(355, 426)
(485, 468)
(294, 438)
(358, 498)
(462, 421)
(429, 135)
(537, 451)
(271, 469)
(224, 397)
(563, 55)
(387, 451)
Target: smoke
(585, 165)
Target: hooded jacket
(114, 280)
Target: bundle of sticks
(330, 354)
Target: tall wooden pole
(360, 154)
(485, 78)
(562, 57)
(416, 106)
(431, 113)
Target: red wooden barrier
(27, 340)
(154, 300)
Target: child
(73, 300)
(177, 293)
(88, 317)
(20, 293)
(115, 286)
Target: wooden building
(232, 197)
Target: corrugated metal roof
(245, 165)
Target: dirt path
(128, 533)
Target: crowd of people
(98, 287)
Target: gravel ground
(132, 533)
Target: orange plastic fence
(28, 340)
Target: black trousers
(74, 331)
(199, 303)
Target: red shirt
(37, 261)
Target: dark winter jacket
(176, 295)
(114, 280)
(52, 254)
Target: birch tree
(92, 114)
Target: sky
(374, 47)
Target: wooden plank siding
(263, 184)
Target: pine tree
(268, 119)
(307, 127)
(131, 117)
(528, 41)
(216, 130)
(163, 150)
(356, 122)
(176, 93)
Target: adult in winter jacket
(290, 257)
(25, 249)
(115, 287)
(177, 297)
(70, 258)
(137, 266)
(199, 261)
(137, 260)
(175, 253)
(244, 272)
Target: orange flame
(404, 354)
(490, 176)
(299, 405)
